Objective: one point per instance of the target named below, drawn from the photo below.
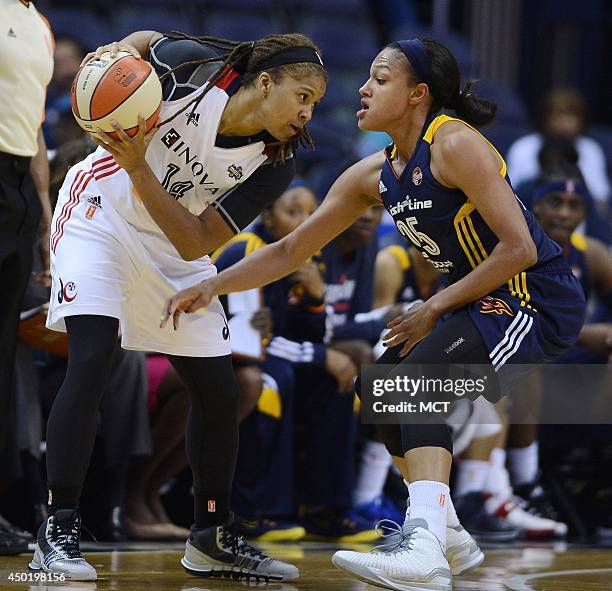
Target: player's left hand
(128, 152)
(187, 300)
(411, 327)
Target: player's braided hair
(245, 56)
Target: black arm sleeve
(166, 54)
(240, 206)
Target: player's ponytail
(431, 62)
(471, 108)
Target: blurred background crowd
(306, 465)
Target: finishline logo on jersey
(410, 205)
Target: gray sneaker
(219, 552)
(57, 547)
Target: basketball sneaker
(462, 551)
(219, 552)
(57, 547)
(416, 563)
(269, 530)
(332, 523)
(483, 526)
(511, 512)
(10, 543)
(8, 527)
(533, 498)
(380, 508)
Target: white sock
(523, 463)
(375, 462)
(471, 477)
(428, 501)
(451, 515)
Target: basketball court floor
(534, 567)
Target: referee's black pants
(20, 212)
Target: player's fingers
(400, 338)
(114, 49)
(149, 135)
(130, 49)
(163, 320)
(123, 136)
(406, 349)
(102, 49)
(89, 56)
(104, 137)
(175, 319)
(397, 320)
(102, 144)
(392, 332)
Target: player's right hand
(187, 300)
(115, 47)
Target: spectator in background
(26, 67)
(560, 206)
(60, 126)
(559, 153)
(563, 114)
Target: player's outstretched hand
(128, 152)
(115, 47)
(188, 300)
(410, 327)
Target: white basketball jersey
(185, 160)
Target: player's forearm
(181, 227)
(142, 40)
(503, 264)
(264, 266)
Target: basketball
(119, 89)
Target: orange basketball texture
(116, 88)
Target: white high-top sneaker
(416, 563)
(462, 551)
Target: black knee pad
(391, 436)
(426, 435)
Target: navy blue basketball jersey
(442, 223)
(445, 226)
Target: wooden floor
(156, 567)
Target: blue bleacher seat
(239, 29)
(85, 27)
(510, 107)
(503, 135)
(351, 45)
(353, 9)
(229, 6)
(164, 21)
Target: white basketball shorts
(101, 265)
